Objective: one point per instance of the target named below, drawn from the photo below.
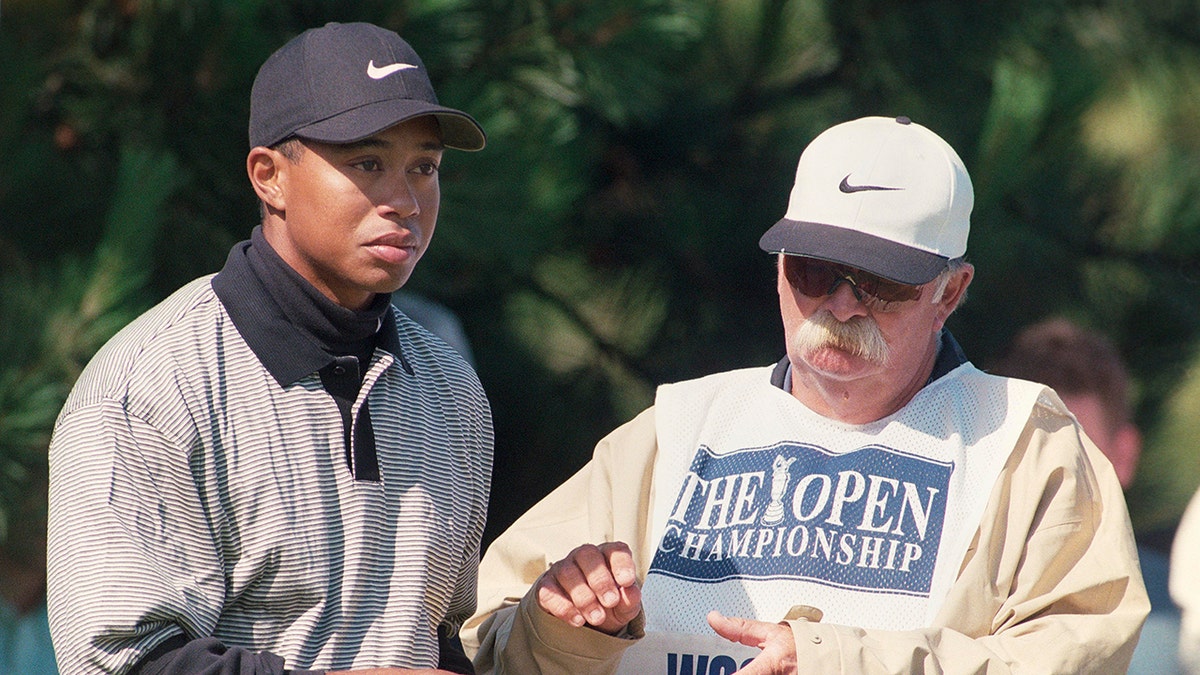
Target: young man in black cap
(274, 470)
(872, 503)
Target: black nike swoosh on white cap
(846, 187)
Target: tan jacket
(1050, 585)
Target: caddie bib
(760, 504)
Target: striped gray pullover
(213, 506)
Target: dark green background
(605, 241)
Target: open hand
(774, 639)
(593, 585)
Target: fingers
(761, 665)
(743, 631)
(629, 605)
(593, 585)
(563, 592)
(620, 562)
(778, 646)
(555, 600)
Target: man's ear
(956, 290)
(267, 170)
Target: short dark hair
(1072, 360)
(292, 148)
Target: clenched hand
(593, 585)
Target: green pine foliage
(56, 318)
(606, 240)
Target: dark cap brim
(459, 130)
(883, 257)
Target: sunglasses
(818, 278)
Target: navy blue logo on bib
(869, 520)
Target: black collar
(289, 351)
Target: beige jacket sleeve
(607, 500)
(1050, 585)
(1185, 586)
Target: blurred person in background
(1090, 377)
(1088, 374)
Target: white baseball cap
(884, 195)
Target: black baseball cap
(343, 82)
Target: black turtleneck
(295, 331)
(338, 330)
